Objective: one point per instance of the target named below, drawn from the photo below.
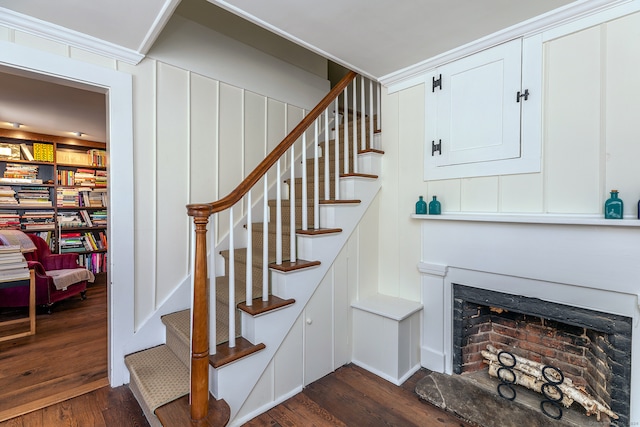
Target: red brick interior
(576, 351)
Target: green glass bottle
(434, 207)
(613, 207)
(421, 207)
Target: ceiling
(374, 37)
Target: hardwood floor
(105, 407)
(66, 357)
(58, 377)
(352, 396)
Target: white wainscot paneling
(172, 178)
(255, 130)
(478, 195)
(622, 89)
(204, 139)
(572, 123)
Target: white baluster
(303, 200)
(292, 208)
(212, 284)
(345, 123)
(278, 214)
(265, 240)
(249, 271)
(379, 106)
(325, 154)
(336, 152)
(363, 121)
(232, 284)
(355, 125)
(316, 189)
(192, 263)
(371, 130)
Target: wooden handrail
(266, 164)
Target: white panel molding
(59, 34)
(412, 75)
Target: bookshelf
(56, 187)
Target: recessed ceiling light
(78, 134)
(16, 125)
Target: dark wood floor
(105, 407)
(352, 396)
(66, 357)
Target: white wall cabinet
(475, 113)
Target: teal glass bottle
(434, 207)
(613, 207)
(421, 207)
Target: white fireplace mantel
(582, 261)
(559, 219)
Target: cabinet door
(318, 333)
(478, 116)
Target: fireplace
(570, 282)
(591, 348)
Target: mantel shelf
(531, 219)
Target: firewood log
(532, 375)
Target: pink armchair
(43, 261)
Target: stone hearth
(473, 397)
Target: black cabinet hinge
(524, 95)
(436, 147)
(436, 83)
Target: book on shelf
(33, 196)
(7, 196)
(67, 197)
(26, 152)
(43, 152)
(97, 157)
(69, 219)
(9, 219)
(95, 262)
(21, 170)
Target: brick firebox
(590, 347)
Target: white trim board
(580, 14)
(56, 33)
(118, 89)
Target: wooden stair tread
(358, 175)
(340, 202)
(370, 150)
(178, 413)
(319, 231)
(258, 306)
(225, 354)
(288, 266)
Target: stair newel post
(200, 335)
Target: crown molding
(56, 33)
(412, 75)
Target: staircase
(160, 376)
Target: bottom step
(178, 414)
(157, 377)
